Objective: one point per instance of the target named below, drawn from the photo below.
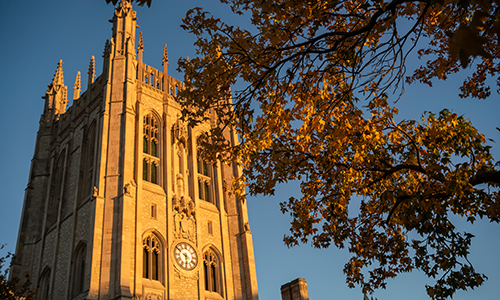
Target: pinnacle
(78, 83)
(77, 87)
(58, 76)
(91, 71)
(107, 48)
(165, 54)
(141, 44)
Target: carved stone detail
(129, 188)
(246, 227)
(153, 296)
(184, 218)
(180, 132)
(124, 8)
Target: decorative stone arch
(213, 248)
(152, 146)
(43, 287)
(212, 270)
(206, 175)
(153, 256)
(155, 231)
(158, 116)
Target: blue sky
(36, 34)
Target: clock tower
(119, 203)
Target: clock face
(185, 256)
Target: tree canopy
(13, 289)
(314, 107)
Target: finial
(141, 44)
(58, 76)
(107, 48)
(78, 86)
(165, 54)
(91, 71)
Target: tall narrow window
(79, 266)
(44, 285)
(55, 191)
(85, 187)
(211, 269)
(151, 161)
(210, 228)
(153, 211)
(204, 181)
(153, 172)
(151, 259)
(145, 166)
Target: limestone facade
(118, 203)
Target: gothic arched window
(211, 270)
(55, 191)
(78, 272)
(205, 177)
(150, 149)
(87, 164)
(152, 257)
(44, 285)
(205, 181)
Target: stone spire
(106, 53)
(91, 71)
(165, 64)
(140, 51)
(140, 46)
(56, 97)
(165, 55)
(124, 24)
(77, 87)
(58, 76)
(107, 49)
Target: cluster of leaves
(13, 289)
(300, 116)
(461, 30)
(140, 2)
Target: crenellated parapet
(152, 79)
(158, 80)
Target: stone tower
(118, 203)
